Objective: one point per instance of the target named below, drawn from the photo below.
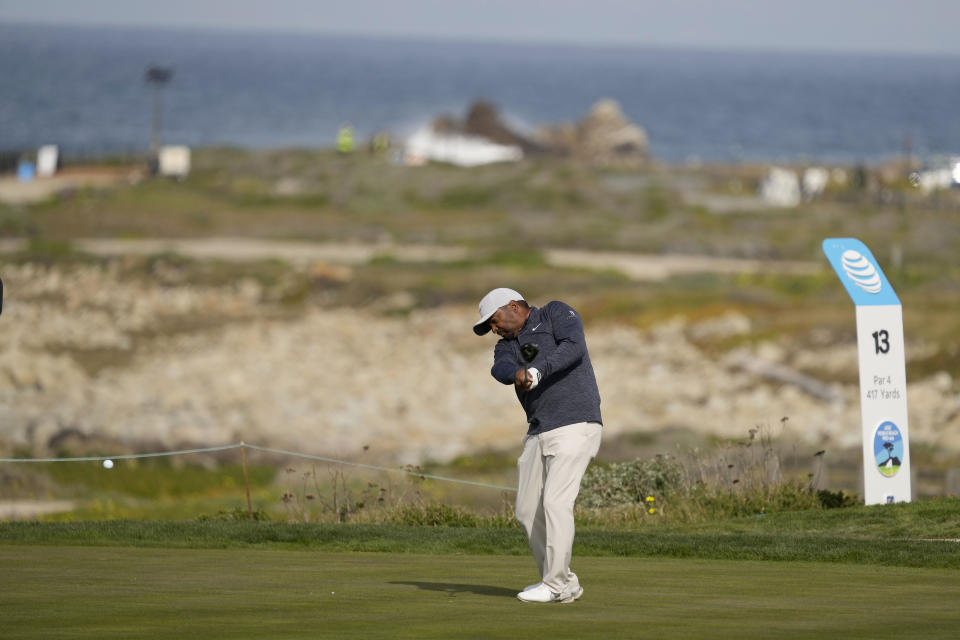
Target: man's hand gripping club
(527, 378)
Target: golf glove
(535, 376)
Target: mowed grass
(81, 592)
(840, 573)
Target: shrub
(626, 483)
(705, 502)
(237, 513)
(434, 515)
(837, 499)
(744, 479)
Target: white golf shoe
(542, 593)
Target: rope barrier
(244, 445)
(378, 468)
(126, 456)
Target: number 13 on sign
(881, 341)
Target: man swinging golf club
(542, 353)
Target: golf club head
(529, 351)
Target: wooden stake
(246, 479)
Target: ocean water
(84, 89)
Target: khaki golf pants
(550, 468)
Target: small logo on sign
(861, 271)
(888, 448)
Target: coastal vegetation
(506, 216)
(498, 223)
(537, 203)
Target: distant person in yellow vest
(345, 139)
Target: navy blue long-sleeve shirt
(567, 392)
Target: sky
(870, 26)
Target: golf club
(529, 351)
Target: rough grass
(919, 534)
(710, 483)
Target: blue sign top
(859, 272)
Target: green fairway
(123, 592)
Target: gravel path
(634, 265)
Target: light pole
(158, 77)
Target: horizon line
(427, 38)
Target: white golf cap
(489, 305)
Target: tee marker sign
(883, 378)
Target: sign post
(883, 378)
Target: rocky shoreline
(334, 381)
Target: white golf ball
(108, 464)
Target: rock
(729, 324)
(560, 139)
(484, 120)
(836, 361)
(767, 365)
(399, 302)
(942, 381)
(327, 272)
(604, 136)
(330, 381)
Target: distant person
(345, 139)
(380, 144)
(543, 354)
